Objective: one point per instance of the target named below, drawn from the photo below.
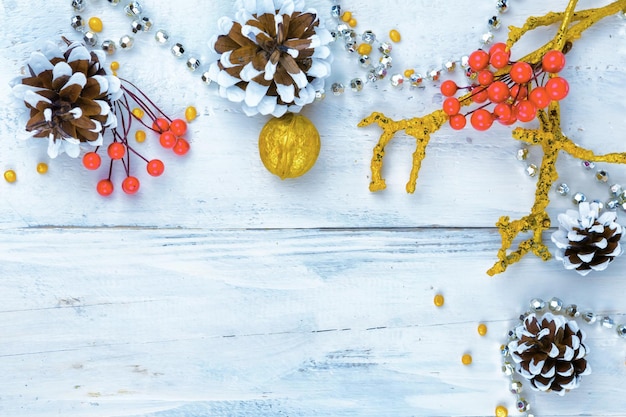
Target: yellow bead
(346, 16)
(408, 73)
(394, 35)
(501, 411)
(438, 300)
(352, 23)
(466, 359)
(95, 24)
(42, 167)
(10, 176)
(115, 66)
(289, 145)
(190, 113)
(140, 136)
(364, 49)
(482, 329)
(138, 113)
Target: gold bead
(408, 73)
(95, 24)
(140, 136)
(138, 113)
(10, 176)
(115, 66)
(466, 359)
(346, 16)
(42, 168)
(289, 145)
(190, 113)
(352, 23)
(364, 49)
(501, 411)
(438, 300)
(482, 329)
(394, 35)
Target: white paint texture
(220, 290)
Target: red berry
(519, 92)
(504, 113)
(521, 72)
(498, 92)
(480, 95)
(130, 185)
(116, 150)
(539, 97)
(458, 122)
(91, 161)
(167, 139)
(181, 147)
(160, 125)
(499, 59)
(525, 111)
(478, 60)
(178, 127)
(485, 77)
(497, 47)
(451, 106)
(481, 119)
(448, 88)
(557, 88)
(105, 188)
(155, 167)
(553, 61)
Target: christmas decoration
(520, 79)
(549, 352)
(587, 240)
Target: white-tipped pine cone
(69, 96)
(273, 56)
(586, 240)
(549, 352)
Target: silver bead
(612, 204)
(108, 46)
(522, 405)
(555, 304)
(365, 61)
(136, 26)
(351, 46)
(372, 75)
(487, 38)
(78, 23)
(494, 23)
(397, 80)
(385, 48)
(579, 198)
(193, 64)
(622, 197)
(508, 368)
(113, 2)
(449, 66)
(615, 190)
(178, 50)
(386, 60)
(434, 75)
(416, 80)
(602, 176)
(147, 23)
(621, 330)
(337, 89)
(320, 94)
(532, 170)
(562, 189)
(343, 30)
(572, 311)
(537, 304)
(161, 36)
(589, 317)
(522, 154)
(368, 37)
(206, 78)
(515, 387)
(335, 11)
(381, 71)
(588, 165)
(464, 62)
(502, 6)
(607, 322)
(90, 38)
(78, 5)
(126, 42)
(133, 9)
(356, 85)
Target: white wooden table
(220, 290)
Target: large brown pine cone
(549, 352)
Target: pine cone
(273, 56)
(69, 96)
(549, 353)
(586, 240)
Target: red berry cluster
(171, 136)
(509, 97)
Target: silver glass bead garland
(555, 306)
(377, 70)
